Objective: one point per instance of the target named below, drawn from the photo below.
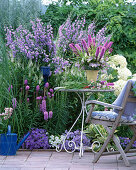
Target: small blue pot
(46, 72)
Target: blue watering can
(8, 142)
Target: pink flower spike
(102, 53)
(85, 46)
(51, 90)
(72, 46)
(105, 45)
(94, 41)
(97, 52)
(25, 82)
(37, 88)
(28, 100)
(50, 114)
(47, 85)
(38, 98)
(49, 93)
(89, 41)
(27, 87)
(109, 45)
(52, 95)
(78, 47)
(45, 115)
(43, 105)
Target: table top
(82, 90)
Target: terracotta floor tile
(51, 160)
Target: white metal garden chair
(124, 108)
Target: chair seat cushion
(110, 116)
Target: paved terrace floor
(51, 160)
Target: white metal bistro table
(83, 99)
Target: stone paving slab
(51, 160)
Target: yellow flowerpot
(91, 75)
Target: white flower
(51, 137)
(118, 61)
(56, 138)
(124, 73)
(134, 76)
(118, 85)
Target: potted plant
(92, 56)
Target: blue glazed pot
(46, 72)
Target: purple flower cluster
(38, 139)
(71, 32)
(36, 44)
(60, 64)
(41, 101)
(76, 137)
(74, 32)
(125, 141)
(90, 54)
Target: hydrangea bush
(117, 73)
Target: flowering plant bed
(40, 139)
(92, 85)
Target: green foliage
(118, 15)
(61, 113)
(124, 131)
(56, 15)
(73, 78)
(99, 133)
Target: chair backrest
(127, 99)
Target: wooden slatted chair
(124, 108)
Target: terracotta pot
(91, 75)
